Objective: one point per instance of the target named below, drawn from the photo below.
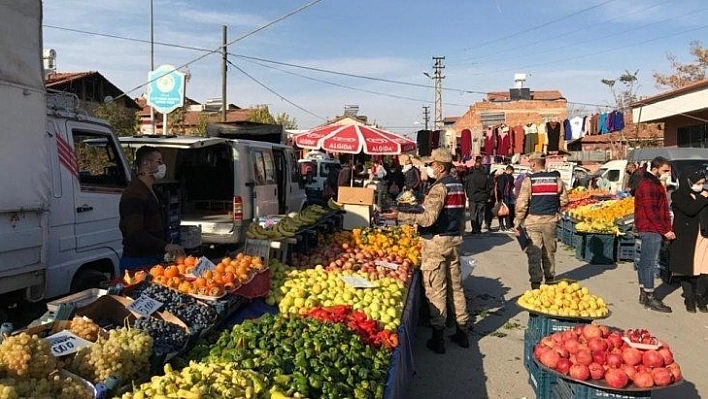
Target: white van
(225, 184)
(613, 174)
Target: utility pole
(152, 64)
(426, 115)
(438, 77)
(224, 59)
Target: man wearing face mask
(140, 218)
(653, 223)
(440, 227)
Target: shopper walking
(505, 193)
(411, 173)
(653, 224)
(440, 229)
(477, 190)
(688, 254)
(541, 196)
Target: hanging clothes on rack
(465, 143)
(567, 130)
(504, 142)
(517, 139)
(489, 141)
(477, 142)
(602, 124)
(424, 149)
(542, 141)
(593, 123)
(531, 134)
(435, 139)
(576, 127)
(553, 130)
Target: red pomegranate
(597, 372)
(667, 355)
(629, 370)
(675, 370)
(548, 341)
(616, 378)
(632, 356)
(572, 346)
(615, 340)
(614, 360)
(662, 376)
(591, 331)
(550, 359)
(597, 345)
(599, 357)
(561, 351)
(579, 372)
(583, 357)
(568, 335)
(578, 329)
(604, 330)
(539, 349)
(643, 379)
(563, 366)
(652, 358)
(558, 337)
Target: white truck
(62, 176)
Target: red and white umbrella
(353, 139)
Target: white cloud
(222, 18)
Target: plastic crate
(564, 389)
(567, 237)
(599, 249)
(541, 381)
(626, 239)
(541, 326)
(559, 232)
(624, 251)
(579, 245)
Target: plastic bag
(467, 265)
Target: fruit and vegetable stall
(337, 321)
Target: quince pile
(564, 299)
(601, 217)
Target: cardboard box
(356, 195)
(356, 216)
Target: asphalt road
(493, 368)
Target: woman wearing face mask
(140, 217)
(689, 253)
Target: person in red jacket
(653, 223)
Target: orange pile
(228, 275)
(400, 241)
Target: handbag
(394, 189)
(500, 209)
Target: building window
(695, 136)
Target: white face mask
(161, 172)
(406, 168)
(430, 171)
(697, 188)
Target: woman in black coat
(688, 260)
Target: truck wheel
(85, 279)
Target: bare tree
(684, 74)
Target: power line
(526, 45)
(274, 92)
(533, 28)
(238, 39)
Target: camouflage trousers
(542, 252)
(442, 281)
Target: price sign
(258, 248)
(358, 282)
(203, 265)
(65, 343)
(144, 306)
(388, 265)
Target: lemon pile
(564, 299)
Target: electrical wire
(565, 34)
(218, 49)
(274, 92)
(543, 25)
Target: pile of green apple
(303, 290)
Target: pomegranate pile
(596, 352)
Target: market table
(402, 365)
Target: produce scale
(335, 321)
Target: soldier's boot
(437, 342)
(461, 337)
(654, 303)
(701, 303)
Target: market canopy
(353, 139)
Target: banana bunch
(332, 204)
(258, 232)
(288, 225)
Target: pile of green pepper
(306, 357)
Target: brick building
(512, 108)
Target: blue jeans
(648, 259)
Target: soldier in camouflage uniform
(440, 226)
(541, 196)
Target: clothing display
(465, 142)
(504, 143)
(542, 139)
(424, 143)
(517, 139)
(435, 139)
(567, 130)
(489, 142)
(576, 127)
(531, 138)
(553, 130)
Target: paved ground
(492, 366)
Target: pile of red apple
(357, 259)
(590, 351)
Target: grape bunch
(167, 337)
(186, 308)
(84, 328)
(123, 354)
(26, 356)
(52, 387)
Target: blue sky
(565, 45)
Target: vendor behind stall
(140, 218)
